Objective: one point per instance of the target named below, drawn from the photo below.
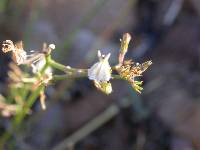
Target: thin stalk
(57, 65)
(70, 71)
(30, 101)
(22, 113)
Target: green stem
(70, 71)
(116, 76)
(28, 80)
(30, 101)
(20, 116)
(67, 76)
(57, 65)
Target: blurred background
(166, 116)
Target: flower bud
(125, 42)
(105, 87)
(124, 47)
(52, 46)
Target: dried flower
(18, 54)
(39, 57)
(8, 46)
(129, 70)
(100, 71)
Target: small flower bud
(52, 46)
(105, 87)
(125, 42)
(124, 47)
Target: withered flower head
(7, 46)
(129, 70)
(18, 54)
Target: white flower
(100, 71)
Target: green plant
(25, 87)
